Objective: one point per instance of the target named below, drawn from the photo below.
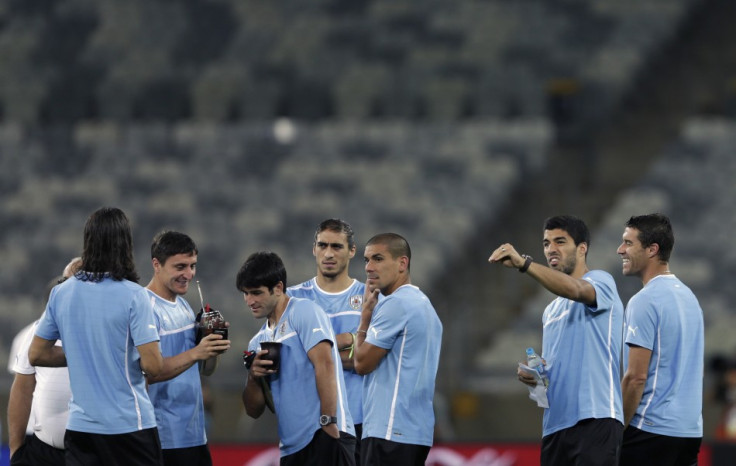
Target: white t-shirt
(15, 346)
(50, 408)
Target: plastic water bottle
(534, 361)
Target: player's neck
(334, 284)
(161, 291)
(661, 268)
(274, 318)
(402, 280)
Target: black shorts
(142, 448)
(590, 442)
(323, 450)
(35, 452)
(378, 451)
(641, 447)
(191, 456)
(358, 435)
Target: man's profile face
(633, 254)
(261, 301)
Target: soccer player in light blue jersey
(663, 358)
(581, 347)
(398, 350)
(176, 393)
(105, 319)
(308, 390)
(341, 297)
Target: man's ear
(653, 250)
(403, 264)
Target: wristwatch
(527, 262)
(325, 420)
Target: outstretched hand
(507, 255)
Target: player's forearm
(43, 353)
(346, 359)
(632, 389)
(173, 366)
(346, 344)
(253, 398)
(19, 409)
(344, 340)
(326, 387)
(563, 284)
(362, 362)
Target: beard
(568, 266)
(331, 273)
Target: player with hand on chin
(397, 349)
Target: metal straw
(200, 296)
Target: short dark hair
(108, 247)
(263, 268)
(338, 226)
(575, 227)
(654, 228)
(171, 243)
(397, 245)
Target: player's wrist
(528, 260)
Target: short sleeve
(47, 327)
(605, 291)
(387, 323)
(22, 365)
(312, 325)
(642, 323)
(142, 321)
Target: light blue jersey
(581, 346)
(665, 317)
(178, 402)
(101, 323)
(343, 310)
(398, 394)
(294, 388)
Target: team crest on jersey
(356, 301)
(282, 329)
